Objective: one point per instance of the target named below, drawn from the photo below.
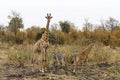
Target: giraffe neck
(46, 33)
(45, 36)
(47, 25)
(87, 50)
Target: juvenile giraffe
(81, 58)
(42, 44)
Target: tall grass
(23, 54)
(104, 54)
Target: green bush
(39, 34)
(19, 58)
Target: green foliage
(15, 22)
(39, 34)
(65, 26)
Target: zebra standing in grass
(59, 58)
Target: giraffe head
(48, 17)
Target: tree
(15, 24)
(53, 35)
(87, 29)
(65, 26)
(54, 27)
(87, 26)
(102, 25)
(112, 24)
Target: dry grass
(103, 63)
(104, 54)
(23, 54)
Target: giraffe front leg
(33, 61)
(43, 68)
(81, 66)
(40, 62)
(45, 60)
(75, 66)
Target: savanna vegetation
(16, 50)
(64, 32)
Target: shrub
(19, 58)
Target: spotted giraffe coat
(41, 44)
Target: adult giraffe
(42, 44)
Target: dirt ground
(101, 71)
